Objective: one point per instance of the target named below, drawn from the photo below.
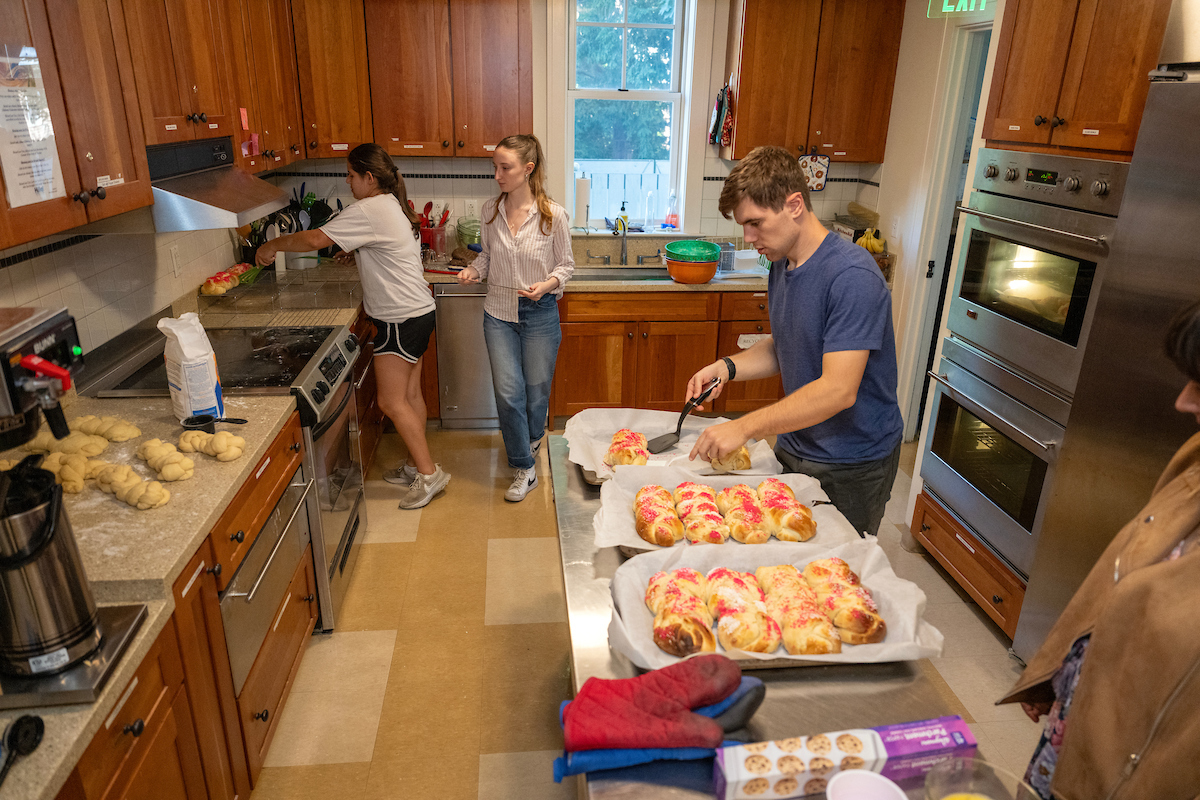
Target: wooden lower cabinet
(208, 680)
(669, 354)
(997, 590)
(147, 746)
(271, 677)
(745, 395)
(597, 367)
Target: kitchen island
(799, 701)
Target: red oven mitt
(652, 710)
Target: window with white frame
(624, 104)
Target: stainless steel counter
(801, 700)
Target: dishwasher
(467, 398)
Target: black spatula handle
(695, 401)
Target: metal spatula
(668, 440)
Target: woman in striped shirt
(526, 261)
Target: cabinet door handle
(294, 447)
(997, 599)
(630, 334)
(308, 598)
(924, 527)
(762, 307)
(312, 145)
(262, 715)
(202, 117)
(1038, 120)
(461, 143)
(238, 537)
(1057, 122)
(83, 197)
(135, 728)
(645, 335)
(214, 570)
(759, 328)
(445, 142)
(99, 192)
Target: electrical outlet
(471, 209)
(175, 259)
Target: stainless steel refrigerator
(1123, 427)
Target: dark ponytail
(372, 158)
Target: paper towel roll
(583, 188)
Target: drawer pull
(214, 570)
(963, 542)
(762, 307)
(262, 715)
(997, 599)
(924, 527)
(135, 728)
(295, 447)
(238, 537)
(308, 598)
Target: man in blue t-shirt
(831, 341)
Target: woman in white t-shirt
(379, 231)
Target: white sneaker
(402, 475)
(424, 487)
(534, 447)
(524, 481)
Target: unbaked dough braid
(69, 469)
(114, 429)
(169, 463)
(222, 445)
(75, 442)
(128, 486)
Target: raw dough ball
(162, 457)
(113, 429)
(75, 442)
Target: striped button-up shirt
(511, 261)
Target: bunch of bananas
(871, 242)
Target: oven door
(333, 446)
(991, 460)
(1025, 284)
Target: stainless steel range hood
(196, 187)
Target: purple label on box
(926, 736)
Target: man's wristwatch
(729, 366)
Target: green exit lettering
(958, 6)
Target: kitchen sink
(621, 274)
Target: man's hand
(539, 289)
(265, 255)
(468, 275)
(344, 258)
(1035, 711)
(703, 378)
(718, 441)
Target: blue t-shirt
(837, 300)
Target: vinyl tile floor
(451, 653)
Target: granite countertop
(132, 555)
(593, 280)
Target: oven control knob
(991, 171)
(318, 394)
(1071, 184)
(1010, 174)
(1100, 188)
(322, 387)
(351, 343)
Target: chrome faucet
(621, 228)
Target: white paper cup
(861, 784)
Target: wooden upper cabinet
(1116, 43)
(408, 46)
(180, 59)
(1073, 74)
(492, 47)
(335, 87)
(82, 66)
(769, 39)
(855, 75)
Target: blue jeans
(522, 354)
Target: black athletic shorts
(408, 339)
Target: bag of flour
(191, 368)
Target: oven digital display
(1042, 176)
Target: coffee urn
(48, 616)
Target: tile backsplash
(110, 283)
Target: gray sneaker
(424, 487)
(402, 475)
(524, 481)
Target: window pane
(624, 146)
(600, 10)
(597, 58)
(655, 11)
(649, 64)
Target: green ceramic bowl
(692, 250)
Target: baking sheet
(900, 602)
(614, 522)
(590, 432)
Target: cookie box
(802, 765)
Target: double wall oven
(316, 365)
(1032, 261)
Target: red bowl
(691, 271)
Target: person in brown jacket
(1119, 673)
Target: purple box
(926, 736)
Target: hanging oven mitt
(731, 714)
(652, 710)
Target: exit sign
(975, 9)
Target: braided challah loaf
(169, 463)
(222, 445)
(128, 486)
(113, 429)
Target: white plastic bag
(191, 368)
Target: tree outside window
(624, 98)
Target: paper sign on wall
(28, 153)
